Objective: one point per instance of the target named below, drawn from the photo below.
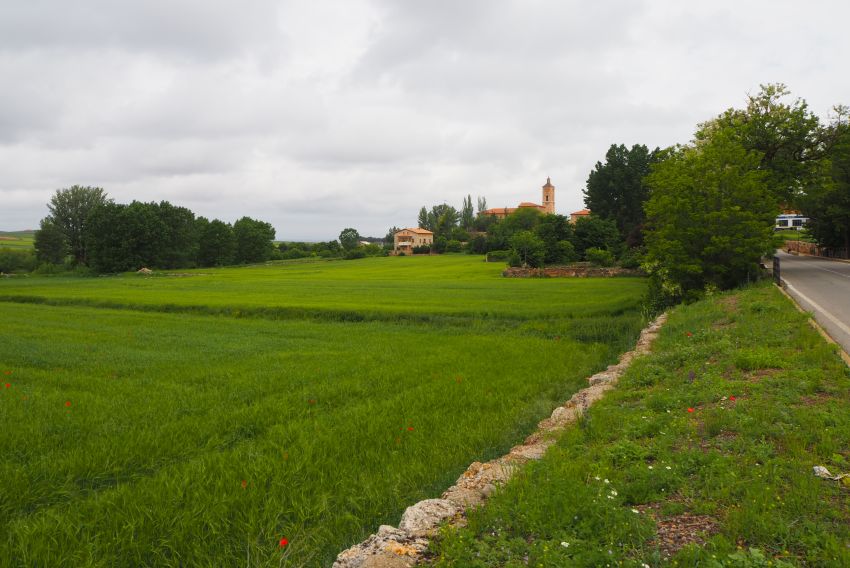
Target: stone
(423, 518)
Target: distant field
(16, 239)
(153, 438)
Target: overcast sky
(317, 115)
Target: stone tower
(548, 197)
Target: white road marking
(841, 325)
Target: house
(576, 215)
(548, 206)
(405, 239)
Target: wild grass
(722, 423)
(214, 414)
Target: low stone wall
(570, 272)
(403, 547)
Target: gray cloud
(317, 115)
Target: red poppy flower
(67, 403)
(311, 401)
(8, 385)
(732, 398)
(7, 372)
(283, 542)
(244, 484)
(690, 409)
(410, 428)
(688, 333)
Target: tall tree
(216, 242)
(787, 135)
(467, 215)
(482, 205)
(827, 199)
(389, 239)
(69, 210)
(349, 238)
(253, 240)
(49, 243)
(710, 216)
(616, 189)
(423, 219)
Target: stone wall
(570, 272)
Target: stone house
(405, 239)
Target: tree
(216, 242)
(178, 242)
(553, 230)
(827, 199)
(467, 215)
(349, 238)
(442, 219)
(616, 189)
(389, 239)
(423, 219)
(253, 240)
(529, 248)
(482, 205)
(69, 210)
(710, 216)
(787, 135)
(49, 242)
(594, 232)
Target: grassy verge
(702, 456)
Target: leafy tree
(482, 205)
(710, 215)
(594, 232)
(442, 219)
(69, 210)
(554, 230)
(178, 242)
(616, 189)
(827, 199)
(467, 215)
(529, 248)
(423, 219)
(787, 135)
(349, 238)
(49, 243)
(253, 240)
(390, 236)
(216, 242)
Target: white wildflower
(565, 544)
(635, 511)
(668, 467)
(596, 477)
(650, 467)
(606, 481)
(614, 492)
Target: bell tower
(548, 197)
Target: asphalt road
(823, 288)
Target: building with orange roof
(576, 215)
(548, 205)
(405, 239)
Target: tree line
(701, 215)
(95, 232)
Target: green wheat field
(198, 418)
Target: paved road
(823, 288)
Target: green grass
(745, 464)
(334, 425)
(16, 239)
(374, 288)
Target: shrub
(599, 257)
(631, 258)
(498, 255)
(453, 246)
(16, 260)
(355, 254)
(422, 249)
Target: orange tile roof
(418, 230)
(582, 212)
(529, 204)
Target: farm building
(548, 206)
(405, 239)
(576, 215)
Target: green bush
(599, 257)
(16, 260)
(422, 249)
(453, 246)
(498, 255)
(631, 258)
(355, 254)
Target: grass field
(710, 440)
(16, 239)
(197, 420)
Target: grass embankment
(711, 438)
(142, 438)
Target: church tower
(549, 197)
